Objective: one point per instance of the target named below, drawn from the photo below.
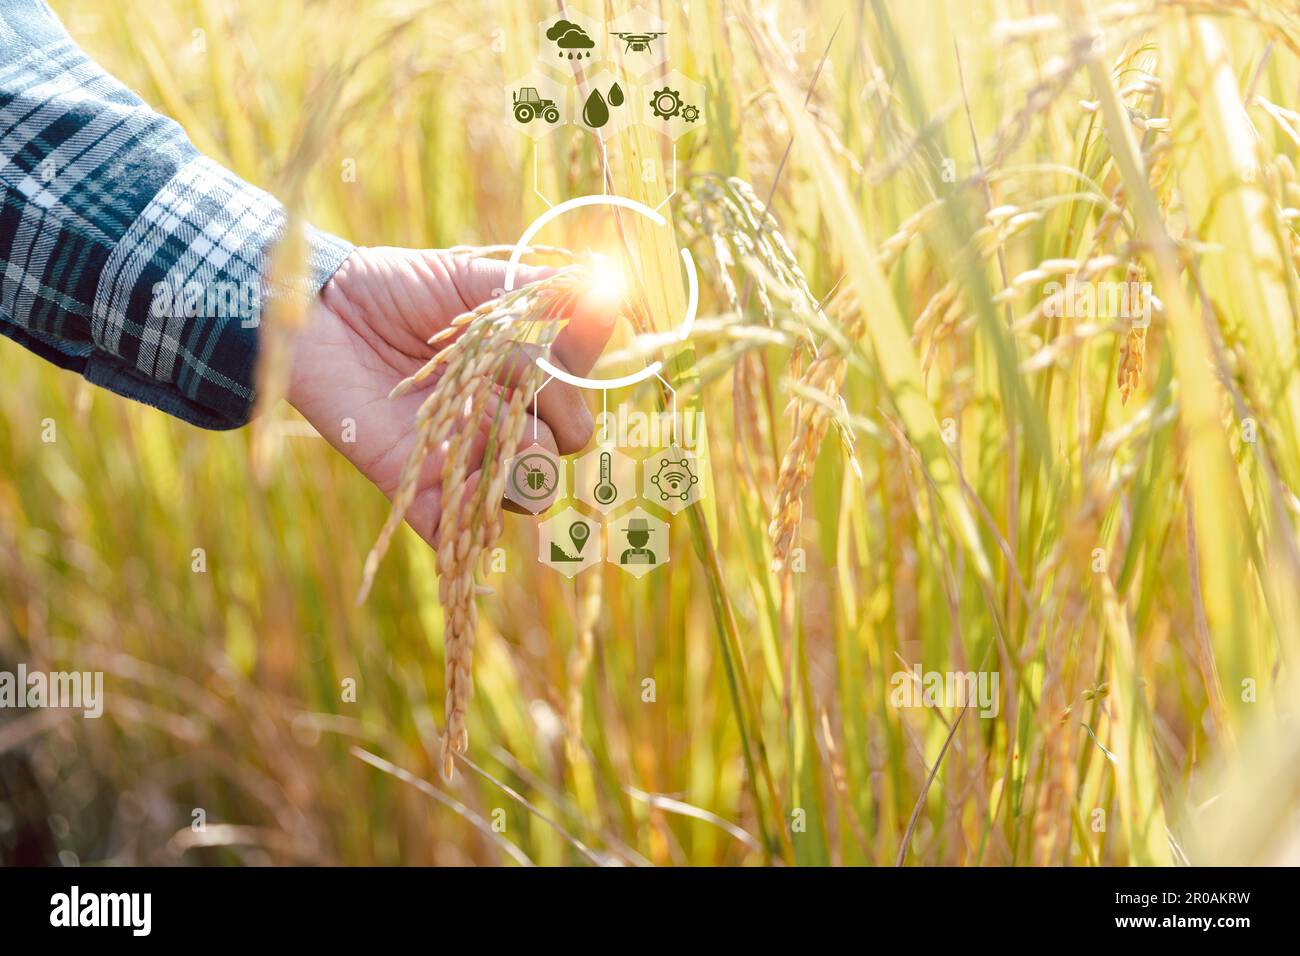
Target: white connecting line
(537, 190)
(673, 392)
(604, 401)
(604, 176)
(674, 192)
(535, 394)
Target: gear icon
(675, 478)
(690, 113)
(666, 103)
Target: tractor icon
(528, 106)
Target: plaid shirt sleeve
(124, 254)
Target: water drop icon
(616, 95)
(595, 113)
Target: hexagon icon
(535, 104)
(604, 104)
(535, 478)
(638, 542)
(639, 42)
(671, 479)
(604, 478)
(570, 43)
(569, 542)
(673, 105)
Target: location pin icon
(578, 533)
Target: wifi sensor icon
(674, 479)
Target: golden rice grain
(478, 344)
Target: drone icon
(638, 42)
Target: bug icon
(535, 476)
(534, 480)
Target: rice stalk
(446, 422)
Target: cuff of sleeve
(178, 305)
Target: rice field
(996, 361)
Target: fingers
(425, 508)
(422, 514)
(580, 342)
(559, 405)
(591, 318)
(480, 279)
(535, 432)
(518, 362)
(563, 407)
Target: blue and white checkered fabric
(126, 255)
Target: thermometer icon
(605, 491)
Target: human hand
(369, 330)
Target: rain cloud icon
(569, 36)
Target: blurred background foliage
(1124, 566)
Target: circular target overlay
(692, 285)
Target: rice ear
(446, 423)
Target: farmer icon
(638, 536)
(534, 479)
(638, 543)
(569, 542)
